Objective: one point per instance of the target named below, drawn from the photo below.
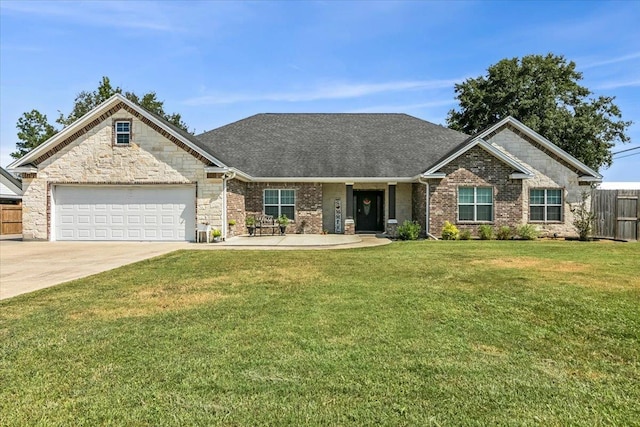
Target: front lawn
(414, 333)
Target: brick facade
(308, 204)
(236, 191)
(475, 168)
(418, 205)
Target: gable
(532, 154)
(517, 169)
(508, 126)
(94, 157)
(105, 112)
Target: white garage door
(123, 212)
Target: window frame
(545, 205)
(129, 122)
(279, 205)
(475, 205)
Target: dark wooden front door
(369, 212)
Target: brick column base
(392, 228)
(349, 227)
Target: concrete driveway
(28, 266)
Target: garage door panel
(124, 213)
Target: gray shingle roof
(331, 145)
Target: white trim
(333, 180)
(520, 176)
(83, 121)
(116, 133)
(434, 175)
(589, 179)
(544, 142)
(17, 191)
(280, 205)
(23, 169)
(477, 141)
(475, 204)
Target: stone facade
(550, 172)
(475, 168)
(92, 158)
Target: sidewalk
(297, 242)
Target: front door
(369, 215)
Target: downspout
(225, 177)
(426, 201)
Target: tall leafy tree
(33, 130)
(85, 101)
(544, 93)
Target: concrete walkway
(29, 266)
(298, 242)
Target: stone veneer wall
(308, 204)
(550, 172)
(474, 168)
(93, 159)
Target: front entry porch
(368, 211)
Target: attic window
(122, 132)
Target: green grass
(414, 333)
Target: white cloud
(617, 84)
(403, 108)
(134, 15)
(327, 91)
(600, 63)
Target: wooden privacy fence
(617, 214)
(10, 219)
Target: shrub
(450, 231)
(583, 218)
(485, 232)
(504, 233)
(465, 235)
(409, 230)
(527, 232)
(283, 220)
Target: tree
(86, 101)
(543, 93)
(33, 130)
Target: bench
(266, 222)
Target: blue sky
(218, 62)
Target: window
(545, 205)
(122, 132)
(280, 202)
(475, 204)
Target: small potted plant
(250, 222)
(216, 234)
(283, 221)
(232, 223)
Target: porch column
(392, 221)
(349, 224)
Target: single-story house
(122, 173)
(10, 189)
